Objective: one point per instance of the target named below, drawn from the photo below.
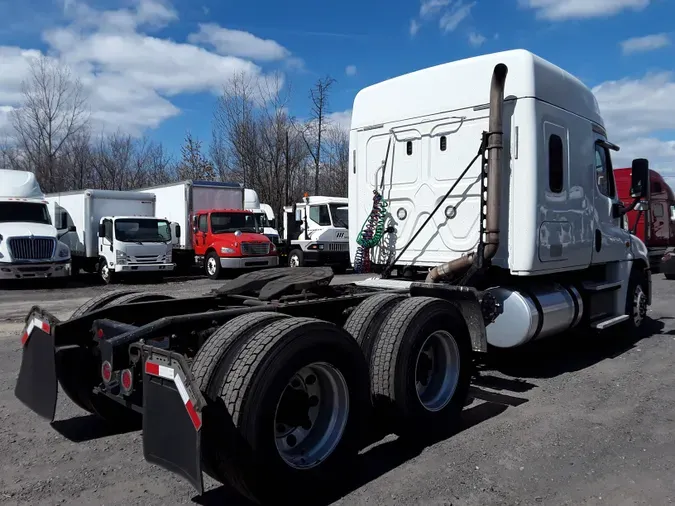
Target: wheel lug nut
(291, 440)
(313, 401)
(310, 380)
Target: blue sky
(154, 67)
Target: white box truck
(113, 233)
(179, 202)
(29, 247)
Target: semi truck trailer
(273, 383)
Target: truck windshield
(222, 223)
(142, 230)
(339, 212)
(261, 220)
(24, 212)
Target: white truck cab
(114, 233)
(496, 172)
(264, 215)
(29, 247)
(316, 232)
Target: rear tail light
(127, 380)
(106, 371)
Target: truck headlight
(62, 250)
(315, 246)
(121, 257)
(226, 250)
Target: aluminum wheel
(639, 306)
(105, 272)
(211, 266)
(437, 370)
(311, 415)
(293, 261)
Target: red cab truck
(231, 239)
(655, 222)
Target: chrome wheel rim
(211, 266)
(311, 415)
(294, 261)
(437, 370)
(105, 272)
(639, 306)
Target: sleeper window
(658, 211)
(555, 164)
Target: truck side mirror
(639, 182)
(177, 231)
(101, 230)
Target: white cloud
(458, 13)
(476, 39)
(342, 118)
(639, 117)
(238, 43)
(414, 27)
(646, 43)
(560, 10)
(350, 70)
(450, 12)
(429, 8)
(127, 74)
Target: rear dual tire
(286, 407)
(419, 353)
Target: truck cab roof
(231, 211)
(19, 184)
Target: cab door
(609, 236)
(199, 235)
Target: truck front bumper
(34, 270)
(126, 268)
(249, 262)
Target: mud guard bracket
(37, 384)
(172, 415)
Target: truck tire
(99, 302)
(212, 265)
(107, 276)
(292, 373)
(214, 359)
(130, 298)
(296, 258)
(365, 321)
(421, 367)
(636, 301)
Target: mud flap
(37, 385)
(172, 418)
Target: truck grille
(146, 259)
(338, 246)
(255, 248)
(31, 248)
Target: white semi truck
(316, 233)
(29, 247)
(113, 233)
(499, 183)
(263, 213)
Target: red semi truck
(654, 222)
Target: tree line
(254, 141)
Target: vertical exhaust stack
(495, 147)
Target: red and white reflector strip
(162, 371)
(33, 324)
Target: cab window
(320, 215)
(603, 171)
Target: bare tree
(317, 124)
(54, 109)
(193, 164)
(335, 169)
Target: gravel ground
(570, 421)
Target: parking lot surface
(571, 420)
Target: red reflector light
(99, 333)
(127, 379)
(106, 371)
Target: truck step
(600, 286)
(608, 322)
